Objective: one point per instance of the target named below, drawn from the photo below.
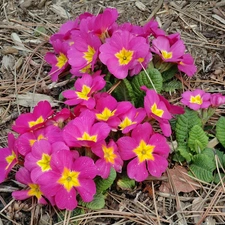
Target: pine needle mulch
(24, 31)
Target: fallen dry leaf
(180, 180)
(31, 99)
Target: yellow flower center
(87, 137)
(61, 60)
(105, 115)
(32, 141)
(144, 151)
(69, 179)
(156, 111)
(125, 123)
(84, 92)
(196, 99)
(124, 56)
(9, 159)
(35, 191)
(37, 121)
(88, 56)
(109, 155)
(86, 69)
(44, 162)
(166, 55)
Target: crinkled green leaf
(172, 86)
(168, 74)
(103, 184)
(202, 167)
(220, 158)
(144, 80)
(220, 130)
(216, 178)
(183, 125)
(125, 183)
(197, 140)
(184, 152)
(97, 203)
(121, 93)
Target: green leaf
(184, 152)
(125, 183)
(223, 161)
(216, 178)
(202, 167)
(183, 125)
(142, 79)
(40, 30)
(130, 91)
(97, 203)
(220, 156)
(197, 140)
(172, 86)
(103, 184)
(169, 74)
(220, 130)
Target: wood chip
(140, 5)
(60, 11)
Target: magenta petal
(126, 146)
(23, 176)
(87, 189)
(103, 168)
(66, 200)
(20, 195)
(166, 128)
(142, 132)
(61, 159)
(85, 166)
(49, 188)
(157, 166)
(136, 170)
(161, 146)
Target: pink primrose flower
(8, 157)
(84, 131)
(34, 120)
(38, 160)
(131, 118)
(23, 176)
(168, 53)
(83, 53)
(148, 152)
(67, 177)
(60, 118)
(107, 109)
(134, 29)
(104, 22)
(109, 157)
(186, 65)
(196, 99)
(152, 28)
(173, 38)
(217, 99)
(25, 141)
(58, 60)
(64, 33)
(156, 107)
(122, 52)
(85, 87)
